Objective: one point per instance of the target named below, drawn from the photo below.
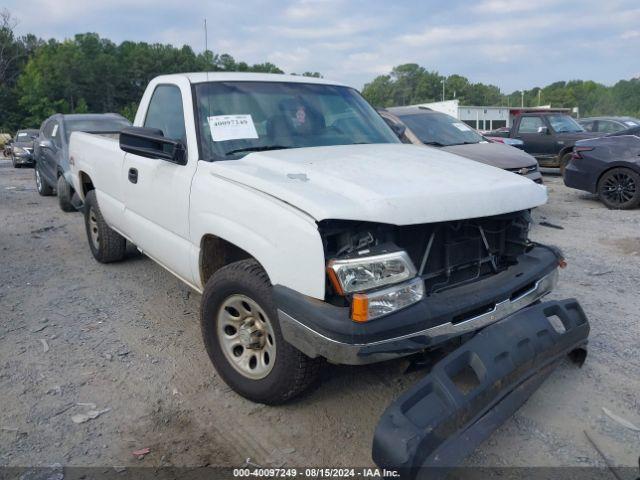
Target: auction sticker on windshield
(232, 127)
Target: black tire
(619, 189)
(292, 372)
(106, 244)
(65, 193)
(564, 161)
(42, 186)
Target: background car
(22, 148)
(51, 152)
(608, 124)
(423, 126)
(608, 166)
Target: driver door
(535, 143)
(156, 192)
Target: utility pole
(539, 92)
(522, 99)
(443, 80)
(206, 40)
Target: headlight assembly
(376, 284)
(352, 275)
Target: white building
(487, 118)
(480, 118)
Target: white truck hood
(388, 183)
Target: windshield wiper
(435, 144)
(258, 149)
(462, 143)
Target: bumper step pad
(473, 390)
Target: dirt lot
(126, 338)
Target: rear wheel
(64, 195)
(43, 187)
(242, 335)
(619, 188)
(106, 244)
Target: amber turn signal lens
(562, 263)
(359, 308)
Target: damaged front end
(469, 393)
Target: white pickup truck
(313, 234)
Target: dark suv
(51, 150)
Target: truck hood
(495, 154)
(388, 183)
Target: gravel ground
(125, 337)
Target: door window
(166, 113)
(606, 126)
(530, 124)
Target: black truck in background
(548, 136)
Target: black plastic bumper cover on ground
(473, 390)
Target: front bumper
(535, 176)
(441, 419)
(321, 330)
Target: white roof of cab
(200, 77)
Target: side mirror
(46, 144)
(151, 143)
(398, 129)
(543, 130)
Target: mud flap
(473, 390)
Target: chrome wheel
(246, 337)
(93, 229)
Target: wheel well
(86, 183)
(215, 253)
(564, 151)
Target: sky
(513, 44)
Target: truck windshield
(441, 130)
(564, 124)
(237, 118)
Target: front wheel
(43, 187)
(619, 189)
(106, 244)
(64, 195)
(242, 335)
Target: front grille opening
(469, 314)
(521, 291)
